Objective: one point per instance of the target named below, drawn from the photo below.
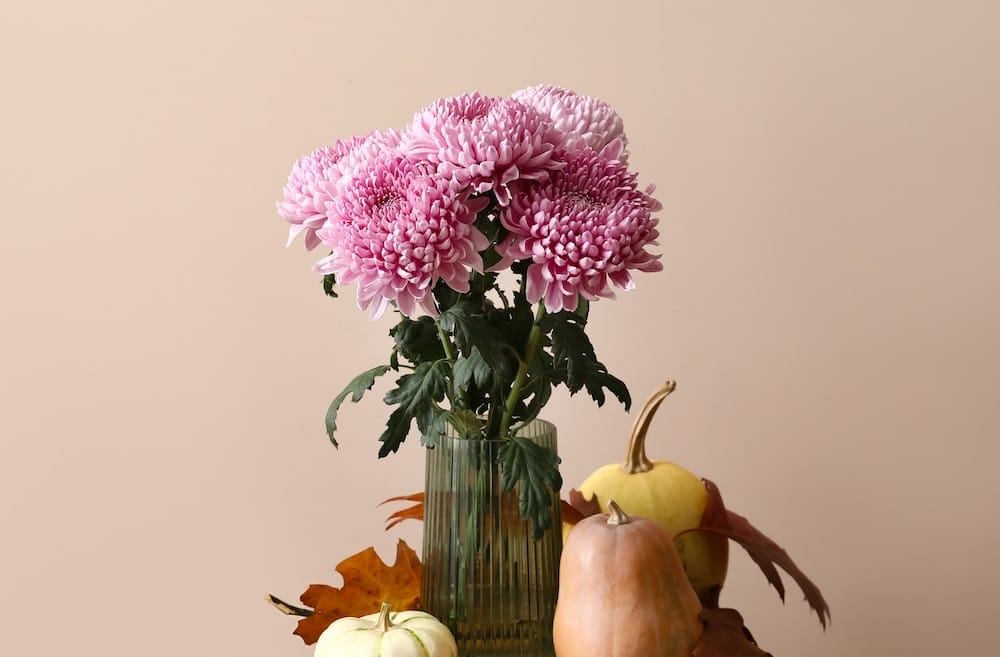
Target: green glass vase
(485, 575)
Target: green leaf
(416, 394)
(418, 339)
(538, 389)
(329, 280)
(432, 423)
(532, 470)
(471, 330)
(516, 329)
(445, 296)
(356, 388)
(598, 378)
(469, 370)
(466, 423)
(571, 348)
(575, 362)
(488, 222)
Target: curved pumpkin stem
(636, 460)
(383, 623)
(615, 514)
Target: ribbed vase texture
(485, 575)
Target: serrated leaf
(416, 394)
(575, 361)
(572, 350)
(540, 392)
(445, 296)
(598, 379)
(517, 328)
(465, 423)
(471, 330)
(432, 423)
(329, 280)
(532, 470)
(356, 388)
(367, 583)
(396, 429)
(471, 369)
(767, 554)
(417, 340)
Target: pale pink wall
(831, 180)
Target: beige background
(831, 180)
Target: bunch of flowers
(424, 220)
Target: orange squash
(623, 592)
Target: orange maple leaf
(368, 582)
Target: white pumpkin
(387, 634)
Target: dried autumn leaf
(767, 554)
(726, 636)
(415, 512)
(571, 512)
(368, 582)
(578, 507)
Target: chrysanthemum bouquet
(426, 220)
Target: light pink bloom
(584, 120)
(315, 177)
(583, 230)
(484, 142)
(396, 231)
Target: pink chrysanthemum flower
(484, 142)
(583, 230)
(397, 231)
(315, 177)
(585, 121)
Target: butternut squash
(623, 592)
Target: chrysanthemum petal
(584, 121)
(484, 142)
(396, 231)
(583, 230)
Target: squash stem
(615, 514)
(383, 623)
(636, 460)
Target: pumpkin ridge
(413, 635)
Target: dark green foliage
(417, 340)
(329, 280)
(532, 470)
(496, 362)
(467, 322)
(356, 388)
(575, 361)
(417, 396)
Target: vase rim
(541, 426)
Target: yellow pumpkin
(623, 592)
(667, 494)
(387, 634)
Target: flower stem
(530, 349)
(449, 350)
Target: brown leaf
(571, 512)
(415, 512)
(368, 582)
(578, 507)
(766, 553)
(726, 636)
